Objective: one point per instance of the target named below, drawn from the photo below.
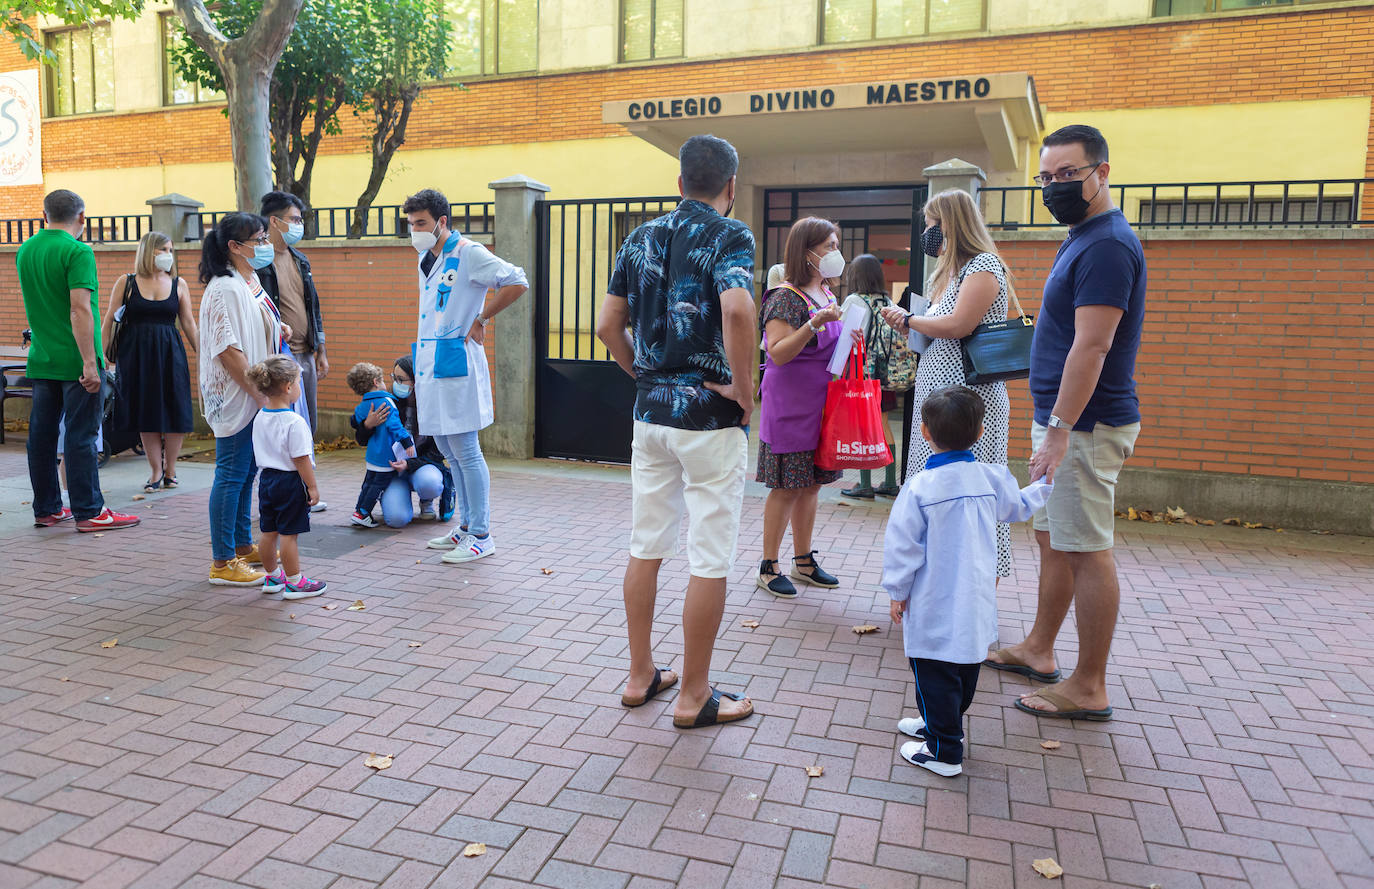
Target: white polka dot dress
(943, 365)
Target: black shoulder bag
(117, 325)
(999, 350)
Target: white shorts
(1081, 512)
(703, 472)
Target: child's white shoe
(911, 726)
(918, 754)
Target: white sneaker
(918, 754)
(449, 540)
(363, 521)
(319, 507)
(470, 549)
(911, 726)
(427, 513)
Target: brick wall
(1235, 59)
(1254, 360)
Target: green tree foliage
(15, 14)
(406, 42)
(314, 79)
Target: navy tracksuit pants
(943, 692)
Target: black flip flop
(654, 688)
(710, 712)
(1023, 670)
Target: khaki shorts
(1081, 512)
(701, 472)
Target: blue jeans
(397, 507)
(52, 399)
(471, 478)
(231, 496)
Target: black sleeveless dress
(154, 381)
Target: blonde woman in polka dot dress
(968, 287)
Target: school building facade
(1253, 373)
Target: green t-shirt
(52, 264)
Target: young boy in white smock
(940, 570)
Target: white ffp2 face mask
(164, 261)
(423, 241)
(831, 265)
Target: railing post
(512, 435)
(175, 215)
(954, 173)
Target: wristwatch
(482, 319)
(1056, 423)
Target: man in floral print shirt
(679, 318)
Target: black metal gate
(583, 399)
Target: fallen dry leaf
(1253, 525)
(815, 771)
(330, 607)
(545, 571)
(357, 605)
(750, 624)
(139, 497)
(111, 644)
(866, 628)
(1176, 512)
(1230, 521)
(65, 679)
(1131, 514)
(1208, 522)
(412, 645)
(472, 850)
(1047, 868)
(374, 761)
(292, 616)
(1051, 745)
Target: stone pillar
(955, 173)
(175, 216)
(512, 435)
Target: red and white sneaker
(57, 518)
(108, 520)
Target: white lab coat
(452, 405)
(940, 556)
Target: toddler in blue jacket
(383, 459)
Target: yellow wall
(574, 169)
(1316, 139)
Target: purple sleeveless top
(793, 394)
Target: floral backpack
(888, 358)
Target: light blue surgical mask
(294, 232)
(263, 254)
(400, 390)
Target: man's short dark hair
(953, 416)
(1091, 138)
(276, 201)
(707, 162)
(63, 206)
(430, 199)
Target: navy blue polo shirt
(1101, 263)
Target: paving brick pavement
(221, 742)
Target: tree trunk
(249, 136)
(386, 139)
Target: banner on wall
(21, 148)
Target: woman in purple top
(801, 326)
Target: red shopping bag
(852, 425)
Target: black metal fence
(99, 229)
(475, 219)
(1292, 203)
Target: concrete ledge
(1058, 233)
(1297, 504)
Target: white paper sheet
(854, 315)
(398, 450)
(918, 342)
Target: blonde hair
(148, 246)
(966, 236)
(273, 374)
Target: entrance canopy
(999, 111)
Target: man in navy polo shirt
(1087, 418)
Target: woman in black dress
(153, 379)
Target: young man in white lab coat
(452, 382)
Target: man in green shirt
(57, 275)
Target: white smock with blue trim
(449, 304)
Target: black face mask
(1065, 200)
(931, 240)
